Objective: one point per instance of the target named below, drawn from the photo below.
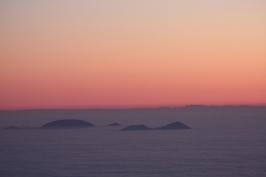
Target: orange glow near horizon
(87, 54)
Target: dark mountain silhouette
(173, 126)
(136, 127)
(114, 124)
(38, 117)
(67, 123)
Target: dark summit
(173, 126)
(114, 124)
(136, 127)
(67, 123)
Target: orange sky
(87, 54)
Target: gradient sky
(91, 53)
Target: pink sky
(87, 54)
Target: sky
(134, 53)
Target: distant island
(67, 123)
(172, 126)
(114, 124)
(20, 118)
(75, 123)
(137, 127)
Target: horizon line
(132, 107)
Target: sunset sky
(131, 53)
